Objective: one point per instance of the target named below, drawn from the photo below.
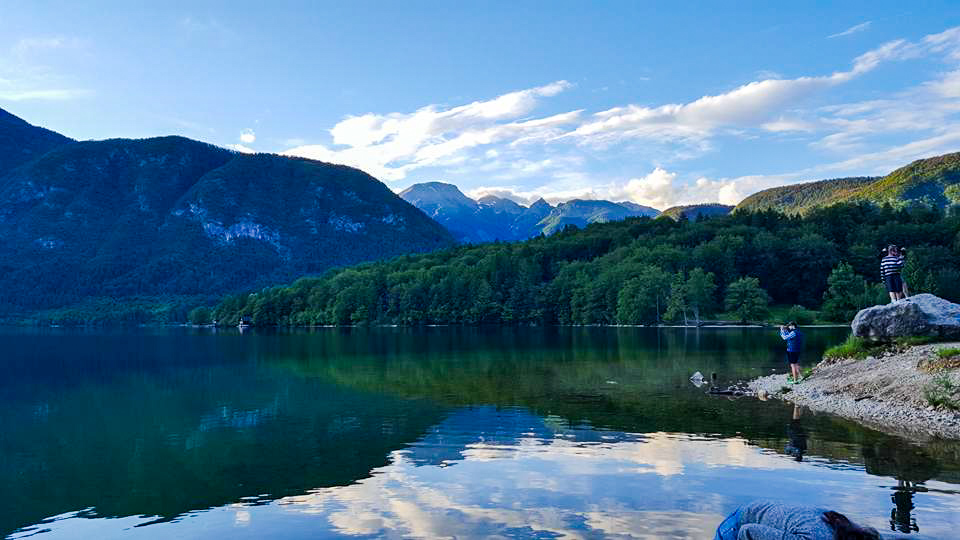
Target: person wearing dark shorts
(890, 267)
(793, 337)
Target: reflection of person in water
(911, 466)
(797, 435)
(900, 516)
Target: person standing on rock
(794, 339)
(890, 267)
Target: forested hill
(20, 142)
(639, 270)
(694, 211)
(172, 216)
(933, 182)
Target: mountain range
(492, 218)
(173, 216)
(170, 216)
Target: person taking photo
(794, 339)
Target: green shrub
(914, 340)
(801, 315)
(199, 315)
(948, 353)
(942, 391)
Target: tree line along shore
(821, 266)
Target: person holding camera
(794, 339)
(890, 267)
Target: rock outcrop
(920, 315)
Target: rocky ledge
(921, 315)
(886, 392)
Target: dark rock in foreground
(920, 315)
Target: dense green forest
(637, 271)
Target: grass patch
(860, 348)
(948, 353)
(806, 372)
(948, 358)
(942, 392)
(853, 347)
(914, 340)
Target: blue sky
(658, 102)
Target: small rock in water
(612, 382)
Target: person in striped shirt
(890, 267)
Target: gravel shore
(885, 393)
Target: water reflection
(487, 472)
(797, 435)
(518, 433)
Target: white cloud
(886, 160)
(248, 136)
(500, 145)
(947, 86)
(659, 189)
(50, 94)
(852, 30)
(784, 124)
(389, 146)
(755, 104)
(662, 189)
(27, 46)
(946, 42)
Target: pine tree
(746, 299)
(700, 290)
(844, 295)
(677, 302)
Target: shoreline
(189, 325)
(885, 393)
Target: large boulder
(920, 315)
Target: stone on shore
(920, 315)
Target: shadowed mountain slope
(173, 216)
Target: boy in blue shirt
(794, 339)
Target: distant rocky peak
(436, 194)
(541, 204)
(500, 204)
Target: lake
(434, 432)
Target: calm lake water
(437, 432)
